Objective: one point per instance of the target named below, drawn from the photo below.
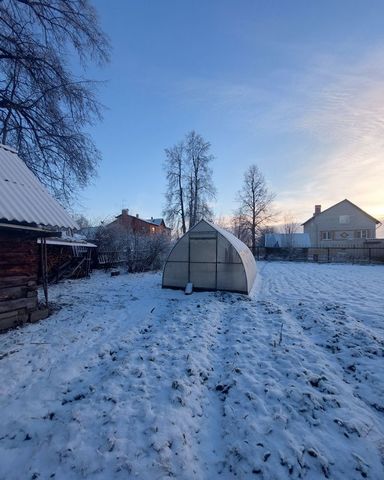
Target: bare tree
(201, 189)
(290, 227)
(255, 209)
(81, 220)
(189, 182)
(224, 222)
(44, 107)
(175, 211)
(240, 227)
(121, 246)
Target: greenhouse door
(203, 260)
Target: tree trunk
(183, 227)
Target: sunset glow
(297, 91)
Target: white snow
(128, 380)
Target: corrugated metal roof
(23, 198)
(67, 243)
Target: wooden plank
(8, 323)
(11, 305)
(6, 315)
(12, 320)
(18, 280)
(38, 315)
(18, 270)
(11, 293)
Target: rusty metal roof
(23, 199)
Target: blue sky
(293, 86)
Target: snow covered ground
(127, 380)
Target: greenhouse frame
(210, 258)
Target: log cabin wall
(19, 266)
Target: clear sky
(296, 87)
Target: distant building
(342, 224)
(287, 240)
(140, 226)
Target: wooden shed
(20, 263)
(28, 214)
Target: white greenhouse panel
(231, 277)
(203, 275)
(202, 226)
(175, 274)
(226, 252)
(180, 252)
(202, 250)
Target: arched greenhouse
(210, 258)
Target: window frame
(346, 219)
(363, 233)
(326, 235)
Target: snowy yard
(128, 380)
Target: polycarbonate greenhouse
(210, 258)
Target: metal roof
(284, 240)
(67, 243)
(155, 221)
(23, 199)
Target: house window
(153, 229)
(326, 235)
(362, 234)
(344, 219)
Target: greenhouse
(210, 258)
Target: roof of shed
(65, 242)
(284, 240)
(23, 199)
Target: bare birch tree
(240, 227)
(201, 189)
(44, 107)
(255, 209)
(189, 182)
(175, 210)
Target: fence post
(369, 255)
(328, 255)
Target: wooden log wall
(19, 266)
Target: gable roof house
(341, 225)
(27, 213)
(140, 226)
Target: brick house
(140, 226)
